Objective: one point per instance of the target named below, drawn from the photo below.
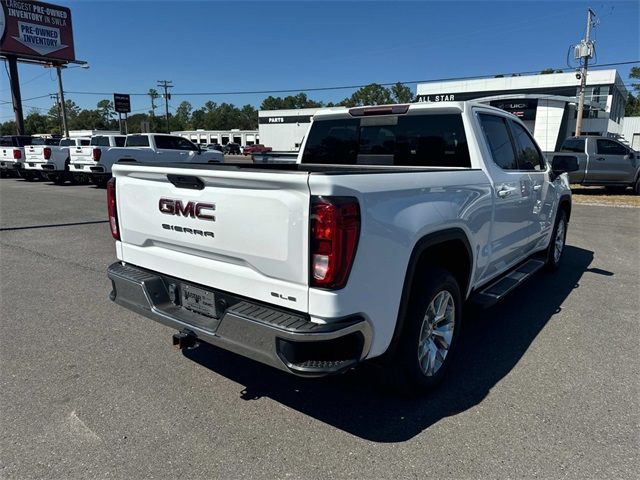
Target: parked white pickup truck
(369, 246)
(150, 147)
(93, 160)
(12, 153)
(51, 161)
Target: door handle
(601, 159)
(537, 187)
(505, 191)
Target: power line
(346, 87)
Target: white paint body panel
(261, 242)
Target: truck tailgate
(81, 154)
(33, 153)
(256, 246)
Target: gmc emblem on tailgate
(190, 209)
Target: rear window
(100, 141)
(45, 141)
(11, 141)
(137, 141)
(435, 140)
(67, 142)
(575, 145)
(120, 141)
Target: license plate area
(198, 301)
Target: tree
(106, 111)
(547, 71)
(372, 94)
(153, 95)
(181, 120)
(632, 108)
(290, 102)
(401, 93)
(8, 128)
(36, 123)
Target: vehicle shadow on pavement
(359, 402)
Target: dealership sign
(37, 30)
(122, 102)
(524, 109)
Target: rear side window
(608, 147)
(435, 140)
(120, 141)
(137, 141)
(6, 142)
(529, 157)
(573, 145)
(100, 141)
(497, 134)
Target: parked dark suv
(232, 149)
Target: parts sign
(36, 30)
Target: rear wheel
(100, 182)
(431, 331)
(557, 243)
(28, 176)
(636, 187)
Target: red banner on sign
(36, 30)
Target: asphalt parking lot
(547, 387)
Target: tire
(28, 176)
(557, 242)
(59, 178)
(100, 182)
(636, 187)
(422, 358)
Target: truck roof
(338, 112)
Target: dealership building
(221, 137)
(547, 104)
(284, 130)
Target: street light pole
(63, 107)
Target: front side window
(497, 135)
(528, 155)
(609, 147)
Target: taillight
(47, 153)
(111, 207)
(96, 153)
(335, 228)
(17, 154)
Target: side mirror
(564, 164)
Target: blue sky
(212, 46)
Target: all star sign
(36, 30)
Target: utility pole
(584, 51)
(63, 107)
(166, 84)
(57, 99)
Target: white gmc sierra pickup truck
(392, 218)
(51, 161)
(146, 147)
